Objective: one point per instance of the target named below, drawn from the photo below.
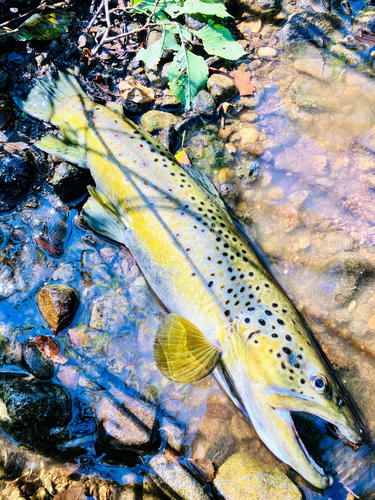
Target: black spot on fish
(227, 312)
(274, 335)
(287, 350)
(278, 355)
(299, 356)
(262, 322)
(297, 365)
(303, 381)
(230, 290)
(280, 321)
(283, 366)
(275, 305)
(251, 273)
(288, 338)
(210, 283)
(268, 312)
(247, 320)
(251, 308)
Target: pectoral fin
(104, 218)
(181, 351)
(72, 153)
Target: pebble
(15, 176)
(260, 6)
(248, 116)
(267, 52)
(221, 87)
(57, 304)
(243, 477)
(174, 481)
(36, 362)
(70, 182)
(275, 193)
(170, 101)
(204, 104)
(125, 422)
(34, 412)
(155, 121)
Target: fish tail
(45, 96)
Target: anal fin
(182, 352)
(103, 217)
(72, 153)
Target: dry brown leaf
(131, 90)
(243, 81)
(15, 141)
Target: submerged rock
(204, 104)
(15, 175)
(33, 412)
(125, 423)
(174, 481)
(242, 477)
(155, 121)
(260, 6)
(57, 303)
(35, 361)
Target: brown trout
(227, 314)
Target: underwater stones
(312, 95)
(242, 477)
(266, 52)
(260, 6)
(70, 182)
(311, 26)
(34, 412)
(125, 423)
(204, 104)
(221, 87)
(174, 481)
(4, 79)
(155, 121)
(15, 174)
(57, 303)
(37, 355)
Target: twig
(95, 15)
(23, 15)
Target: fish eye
(319, 383)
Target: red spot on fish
(94, 117)
(202, 230)
(144, 164)
(115, 121)
(152, 203)
(145, 183)
(141, 145)
(80, 109)
(119, 154)
(177, 235)
(96, 133)
(116, 135)
(182, 214)
(187, 249)
(170, 190)
(126, 180)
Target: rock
(57, 303)
(249, 171)
(266, 52)
(170, 101)
(194, 24)
(155, 121)
(221, 87)
(125, 423)
(36, 362)
(367, 140)
(174, 481)
(33, 412)
(204, 104)
(70, 182)
(109, 313)
(4, 79)
(243, 477)
(309, 26)
(346, 55)
(15, 175)
(260, 6)
(168, 137)
(312, 95)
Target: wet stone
(243, 477)
(15, 174)
(35, 362)
(125, 423)
(221, 87)
(70, 182)
(260, 6)
(4, 79)
(204, 104)
(34, 412)
(57, 303)
(155, 121)
(174, 481)
(266, 52)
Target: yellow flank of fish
(227, 313)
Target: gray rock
(351, 57)
(125, 423)
(35, 362)
(168, 137)
(204, 104)
(15, 176)
(310, 26)
(221, 87)
(174, 481)
(194, 24)
(33, 412)
(155, 121)
(70, 182)
(57, 303)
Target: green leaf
(152, 55)
(175, 9)
(187, 75)
(182, 32)
(46, 25)
(218, 41)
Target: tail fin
(45, 95)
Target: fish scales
(227, 312)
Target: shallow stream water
(298, 171)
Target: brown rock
(221, 87)
(57, 303)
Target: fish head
(283, 370)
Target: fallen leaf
(15, 141)
(243, 81)
(131, 90)
(183, 158)
(50, 348)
